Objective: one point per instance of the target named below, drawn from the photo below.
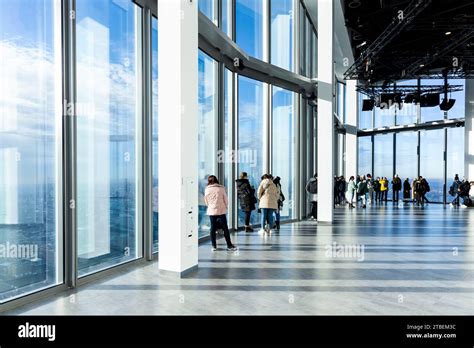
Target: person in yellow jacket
(384, 189)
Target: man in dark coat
(246, 194)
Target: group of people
(460, 190)
(270, 198)
(268, 195)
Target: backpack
(451, 191)
(427, 186)
(313, 186)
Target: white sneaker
(214, 249)
(270, 231)
(261, 231)
(463, 206)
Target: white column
(325, 110)
(178, 135)
(352, 142)
(469, 131)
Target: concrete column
(352, 143)
(178, 135)
(469, 131)
(325, 110)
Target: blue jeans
(267, 215)
(456, 199)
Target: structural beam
(325, 110)
(178, 134)
(351, 129)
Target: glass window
(282, 33)
(458, 110)
(30, 143)
(249, 26)
(431, 162)
(302, 41)
(283, 135)
(251, 137)
(383, 158)
(455, 155)
(207, 118)
(226, 25)
(107, 144)
(314, 58)
(407, 155)
(208, 7)
(307, 43)
(365, 117)
(365, 156)
(341, 99)
(155, 131)
(409, 111)
(385, 117)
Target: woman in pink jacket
(215, 198)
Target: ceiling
(432, 38)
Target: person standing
(341, 190)
(362, 191)
(216, 201)
(419, 191)
(277, 182)
(383, 189)
(351, 191)
(370, 187)
(396, 187)
(312, 190)
(268, 194)
(426, 189)
(246, 194)
(407, 190)
(377, 189)
(455, 191)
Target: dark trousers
(342, 198)
(314, 209)
(377, 195)
(216, 222)
(396, 195)
(248, 214)
(384, 195)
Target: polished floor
(386, 260)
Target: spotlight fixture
(362, 44)
(447, 104)
(368, 104)
(447, 33)
(429, 100)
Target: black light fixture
(447, 104)
(429, 100)
(368, 104)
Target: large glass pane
(249, 26)
(302, 41)
(458, 110)
(407, 155)
(365, 117)
(250, 139)
(283, 152)
(365, 156)
(155, 131)
(385, 117)
(408, 113)
(431, 165)
(282, 33)
(314, 55)
(341, 99)
(208, 7)
(383, 158)
(308, 42)
(455, 155)
(107, 144)
(207, 119)
(30, 143)
(226, 25)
